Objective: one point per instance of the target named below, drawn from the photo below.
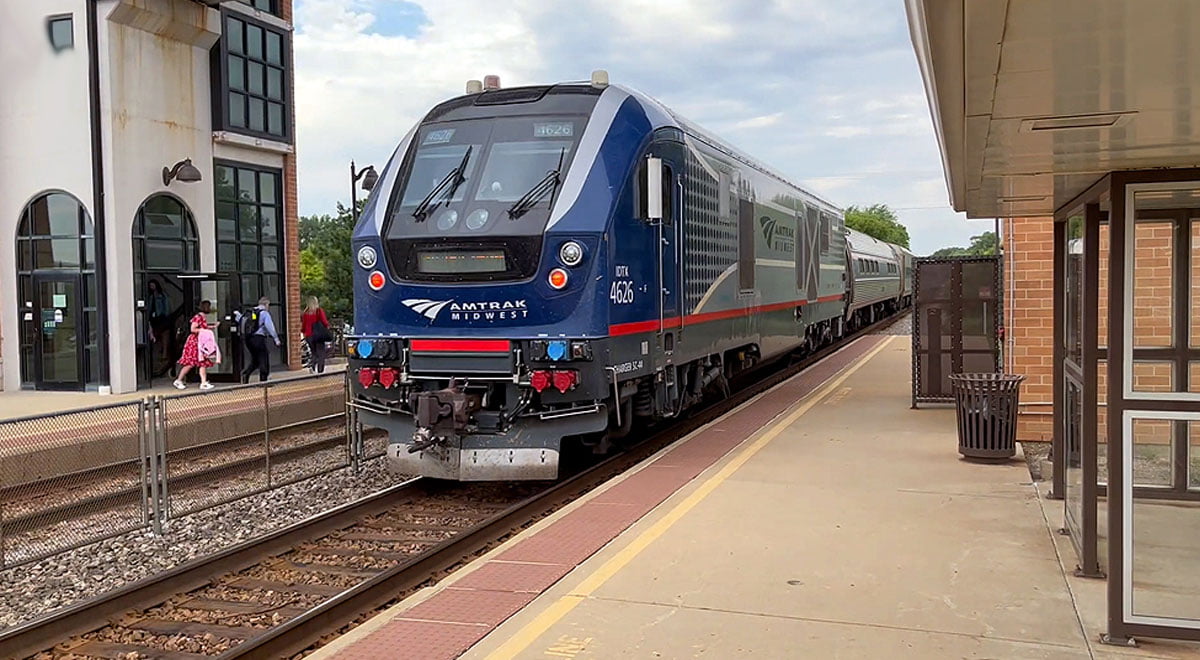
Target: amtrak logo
(426, 307)
(779, 237)
(490, 310)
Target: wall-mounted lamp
(369, 178)
(183, 171)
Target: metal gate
(956, 322)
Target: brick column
(291, 250)
(291, 221)
(1029, 290)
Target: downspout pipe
(98, 200)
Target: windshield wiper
(454, 178)
(538, 191)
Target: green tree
(326, 262)
(982, 245)
(877, 221)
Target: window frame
(51, 20)
(278, 305)
(272, 4)
(219, 68)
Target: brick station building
(147, 152)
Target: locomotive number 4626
(621, 292)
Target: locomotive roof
(581, 98)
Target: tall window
(250, 232)
(55, 236)
(250, 74)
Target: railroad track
(281, 594)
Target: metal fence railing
(73, 478)
(45, 505)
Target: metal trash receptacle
(987, 414)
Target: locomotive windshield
(484, 177)
(476, 195)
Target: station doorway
(163, 315)
(168, 290)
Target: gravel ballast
(35, 589)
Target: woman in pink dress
(191, 351)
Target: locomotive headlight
(571, 253)
(367, 257)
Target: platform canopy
(1034, 100)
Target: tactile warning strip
(452, 620)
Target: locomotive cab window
(643, 200)
(483, 185)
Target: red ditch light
(539, 380)
(388, 377)
(564, 380)
(366, 376)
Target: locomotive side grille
(710, 242)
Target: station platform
(822, 519)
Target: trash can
(987, 414)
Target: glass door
(223, 295)
(58, 348)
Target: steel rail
(42, 633)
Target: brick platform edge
(451, 620)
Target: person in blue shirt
(256, 343)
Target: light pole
(369, 179)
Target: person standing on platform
(191, 351)
(315, 329)
(257, 328)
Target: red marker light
(564, 380)
(366, 376)
(376, 280)
(539, 380)
(558, 278)
(388, 377)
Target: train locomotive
(550, 267)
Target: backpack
(250, 321)
(320, 333)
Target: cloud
(762, 121)
(826, 93)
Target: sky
(827, 93)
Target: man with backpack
(256, 328)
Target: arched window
(56, 279)
(164, 237)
